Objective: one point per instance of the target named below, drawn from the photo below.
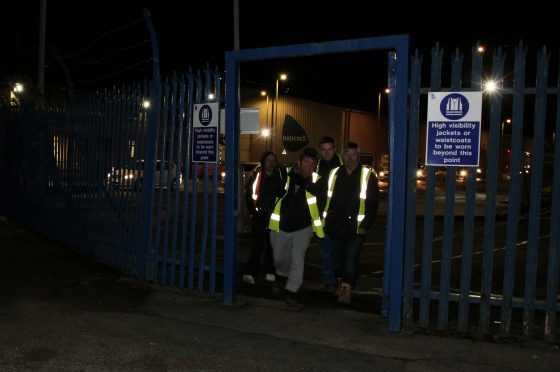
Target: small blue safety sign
(205, 132)
(453, 129)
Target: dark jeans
(261, 242)
(327, 265)
(346, 253)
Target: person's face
(269, 163)
(306, 166)
(351, 158)
(326, 151)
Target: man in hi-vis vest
(327, 161)
(352, 199)
(294, 220)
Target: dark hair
(308, 152)
(265, 155)
(351, 146)
(326, 139)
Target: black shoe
(292, 301)
(328, 287)
(279, 284)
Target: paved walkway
(61, 312)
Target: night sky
(193, 33)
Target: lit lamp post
(275, 119)
(266, 130)
(503, 146)
(378, 147)
(15, 94)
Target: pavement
(62, 312)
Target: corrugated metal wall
(317, 119)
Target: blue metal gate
(494, 273)
(111, 175)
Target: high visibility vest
(365, 174)
(340, 161)
(317, 224)
(255, 187)
(318, 166)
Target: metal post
(377, 160)
(274, 118)
(145, 259)
(235, 24)
(41, 72)
(267, 126)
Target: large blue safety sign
(453, 128)
(205, 132)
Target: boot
(338, 285)
(344, 295)
(279, 284)
(293, 302)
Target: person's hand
(362, 232)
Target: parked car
(221, 170)
(133, 176)
(383, 175)
(462, 174)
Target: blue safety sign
(453, 129)
(205, 132)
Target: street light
(275, 119)
(377, 158)
(266, 131)
(18, 87)
(503, 154)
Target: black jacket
(345, 204)
(294, 211)
(269, 188)
(323, 167)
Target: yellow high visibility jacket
(365, 174)
(317, 224)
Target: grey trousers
(289, 250)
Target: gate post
(397, 206)
(145, 258)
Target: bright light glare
(480, 49)
(146, 104)
(263, 93)
(211, 96)
(18, 87)
(283, 77)
(266, 132)
(490, 86)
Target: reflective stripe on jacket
(255, 189)
(364, 178)
(316, 222)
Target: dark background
(194, 33)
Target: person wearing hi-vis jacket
(352, 200)
(293, 221)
